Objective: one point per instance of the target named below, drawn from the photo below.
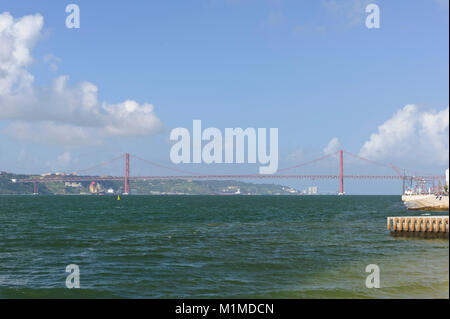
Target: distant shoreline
(221, 195)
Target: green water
(214, 247)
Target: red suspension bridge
(187, 175)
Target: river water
(214, 247)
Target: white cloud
(332, 147)
(52, 61)
(61, 113)
(17, 37)
(54, 133)
(62, 162)
(411, 134)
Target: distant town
(10, 186)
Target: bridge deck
(237, 176)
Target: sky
(133, 71)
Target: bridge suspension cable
(100, 164)
(308, 163)
(164, 166)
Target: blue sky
(310, 68)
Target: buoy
(118, 197)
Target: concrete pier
(415, 225)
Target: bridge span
(126, 178)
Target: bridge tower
(341, 172)
(127, 174)
(36, 189)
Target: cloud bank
(60, 113)
(332, 147)
(420, 136)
